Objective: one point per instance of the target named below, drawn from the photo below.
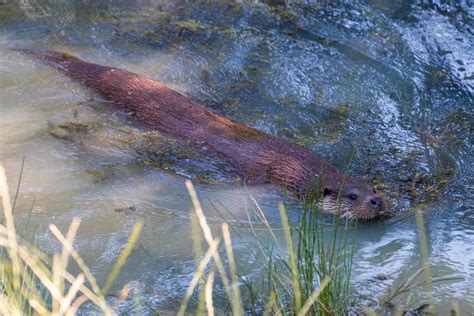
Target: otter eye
(375, 192)
(353, 196)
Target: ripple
(392, 84)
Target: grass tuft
(35, 283)
(309, 274)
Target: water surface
(390, 83)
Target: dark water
(390, 83)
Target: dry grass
(35, 283)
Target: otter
(257, 157)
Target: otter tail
(152, 102)
(91, 75)
(52, 58)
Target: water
(391, 82)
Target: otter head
(356, 199)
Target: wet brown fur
(258, 158)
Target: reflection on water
(390, 81)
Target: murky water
(391, 82)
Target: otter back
(258, 157)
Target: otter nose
(376, 202)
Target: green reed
(308, 273)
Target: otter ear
(328, 191)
